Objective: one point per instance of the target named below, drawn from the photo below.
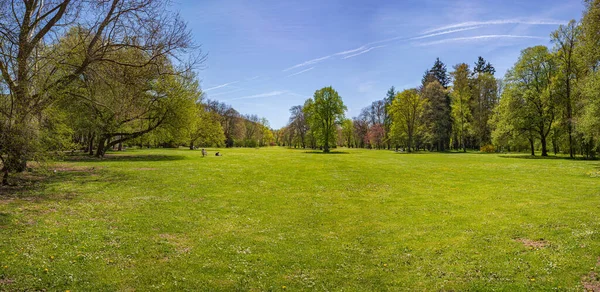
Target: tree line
(548, 101)
(101, 75)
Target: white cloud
(309, 62)
(226, 92)
(497, 22)
(305, 70)
(350, 51)
(444, 32)
(266, 94)
(479, 37)
(360, 53)
(221, 86)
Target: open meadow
(276, 219)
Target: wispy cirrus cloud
(221, 86)
(362, 52)
(318, 60)
(226, 92)
(350, 51)
(365, 48)
(430, 35)
(479, 37)
(300, 72)
(497, 22)
(260, 95)
(309, 62)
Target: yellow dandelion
(51, 257)
(385, 265)
(532, 279)
(46, 270)
(6, 267)
(283, 287)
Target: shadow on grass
(123, 157)
(538, 157)
(40, 184)
(4, 219)
(330, 153)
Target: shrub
(488, 148)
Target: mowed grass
(283, 219)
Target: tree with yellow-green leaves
(324, 112)
(461, 98)
(407, 111)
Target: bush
(488, 148)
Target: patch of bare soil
(71, 168)
(591, 282)
(6, 281)
(537, 244)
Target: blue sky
(267, 56)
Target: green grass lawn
(281, 219)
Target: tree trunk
(570, 140)
(100, 150)
(5, 176)
(532, 149)
(191, 145)
(91, 144)
(544, 146)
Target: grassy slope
(267, 218)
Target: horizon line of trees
(101, 75)
(548, 101)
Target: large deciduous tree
(407, 112)
(565, 39)
(324, 112)
(484, 99)
(298, 124)
(33, 71)
(461, 97)
(532, 77)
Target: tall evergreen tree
(437, 115)
(481, 66)
(439, 72)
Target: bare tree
(298, 124)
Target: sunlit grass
(274, 219)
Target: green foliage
(461, 101)
(489, 148)
(437, 115)
(324, 112)
(437, 72)
(406, 111)
(485, 98)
